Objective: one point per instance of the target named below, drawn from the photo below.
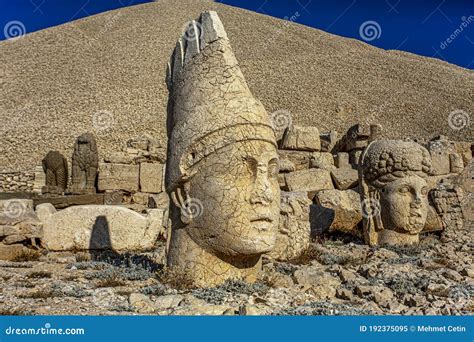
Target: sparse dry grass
(27, 255)
(175, 279)
(39, 275)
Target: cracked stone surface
(222, 163)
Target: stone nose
(262, 192)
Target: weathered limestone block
(310, 181)
(447, 199)
(118, 177)
(119, 158)
(301, 138)
(222, 165)
(345, 178)
(151, 177)
(322, 160)
(456, 163)
(85, 161)
(394, 191)
(294, 230)
(287, 165)
(328, 141)
(39, 179)
(140, 198)
(300, 159)
(342, 160)
(160, 200)
(10, 252)
(93, 227)
(64, 201)
(441, 162)
(337, 211)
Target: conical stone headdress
(210, 105)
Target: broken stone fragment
(337, 210)
(345, 178)
(99, 227)
(322, 160)
(301, 138)
(310, 181)
(300, 159)
(294, 229)
(118, 177)
(151, 177)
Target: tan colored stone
(310, 181)
(10, 252)
(394, 191)
(119, 158)
(294, 230)
(160, 200)
(100, 227)
(337, 211)
(151, 177)
(300, 159)
(301, 138)
(342, 160)
(118, 177)
(345, 178)
(456, 163)
(322, 160)
(222, 164)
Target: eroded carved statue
(55, 168)
(85, 162)
(222, 163)
(394, 191)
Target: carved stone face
(240, 195)
(404, 204)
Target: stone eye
(404, 190)
(424, 191)
(273, 168)
(251, 165)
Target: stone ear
(179, 197)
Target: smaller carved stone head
(394, 191)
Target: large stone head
(394, 191)
(222, 162)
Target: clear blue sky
(442, 29)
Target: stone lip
(99, 227)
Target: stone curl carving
(222, 163)
(394, 191)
